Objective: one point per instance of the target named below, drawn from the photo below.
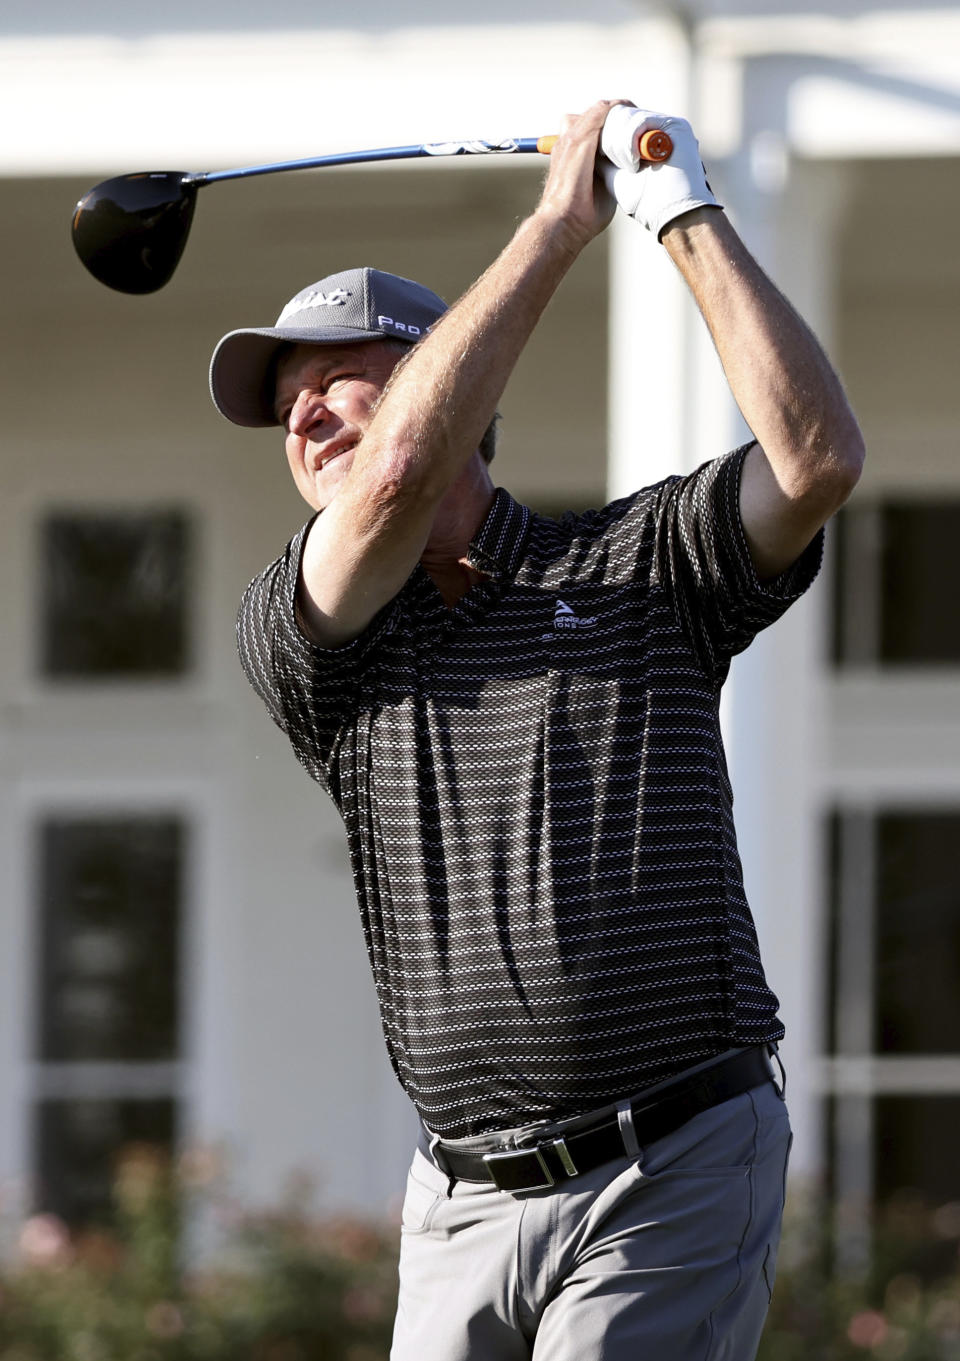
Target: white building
(182, 958)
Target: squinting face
(325, 396)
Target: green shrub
(885, 1284)
(286, 1286)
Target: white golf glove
(653, 193)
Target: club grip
(654, 145)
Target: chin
(326, 487)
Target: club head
(130, 231)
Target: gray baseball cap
(354, 305)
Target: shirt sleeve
(311, 693)
(702, 561)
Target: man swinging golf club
(518, 721)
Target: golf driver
(130, 231)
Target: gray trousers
(665, 1257)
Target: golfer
(517, 719)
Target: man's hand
(655, 194)
(574, 194)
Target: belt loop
(627, 1132)
(436, 1153)
(774, 1050)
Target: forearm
(441, 400)
(442, 397)
(783, 383)
(429, 421)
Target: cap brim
(241, 367)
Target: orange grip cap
(655, 145)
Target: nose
(308, 410)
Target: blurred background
(183, 966)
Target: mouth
(331, 454)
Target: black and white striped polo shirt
(536, 799)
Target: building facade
(183, 959)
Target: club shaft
(513, 146)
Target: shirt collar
(497, 548)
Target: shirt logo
(566, 620)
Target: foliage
(288, 1286)
(285, 1286)
(853, 1287)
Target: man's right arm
(365, 544)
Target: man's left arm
(809, 449)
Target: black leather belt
(548, 1160)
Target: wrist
(558, 232)
(689, 231)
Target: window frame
(111, 1080)
(852, 1074)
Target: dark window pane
(921, 604)
(895, 603)
(915, 1147)
(115, 594)
(918, 934)
(110, 931)
(78, 1144)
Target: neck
(453, 580)
(461, 513)
(459, 517)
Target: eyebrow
(331, 353)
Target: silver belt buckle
(508, 1170)
(500, 1165)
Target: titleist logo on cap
(337, 297)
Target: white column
(773, 708)
(648, 380)
(650, 318)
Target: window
(918, 934)
(896, 933)
(77, 1143)
(895, 1002)
(915, 1142)
(895, 598)
(114, 593)
(108, 1016)
(109, 894)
